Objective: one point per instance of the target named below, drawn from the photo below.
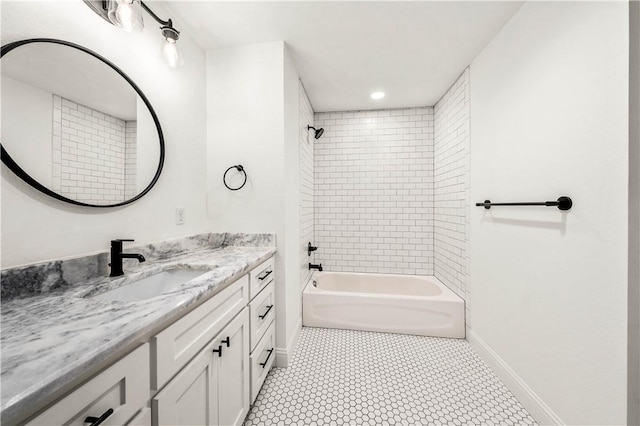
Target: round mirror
(76, 127)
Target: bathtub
(388, 303)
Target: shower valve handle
(311, 248)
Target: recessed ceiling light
(377, 95)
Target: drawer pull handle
(266, 274)
(264, 364)
(95, 421)
(263, 316)
(227, 341)
(219, 351)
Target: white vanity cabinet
(174, 346)
(213, 389)
(217, 386)
(262, 309)
(116, 394)
(205, 368)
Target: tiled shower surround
(451, 187)
(130, 158)
(391, 191)
(373, 200)
(306, 184)
(89, 149)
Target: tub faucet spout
(318, 266)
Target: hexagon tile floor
(345, 377)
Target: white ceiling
(74, 75)
(413, 51)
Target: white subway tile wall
(451, 187)
(89, 153)
(306, 184)
(130, 158)
(373, 191)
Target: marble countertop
(49, 340)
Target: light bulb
(171, 53)
(126, 14)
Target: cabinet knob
(95, 421)
(219, 351)
(227, 341)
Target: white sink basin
(151, 286)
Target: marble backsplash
(30, 280)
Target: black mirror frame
(15, 168)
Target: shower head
(318, 132)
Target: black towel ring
(238, 168)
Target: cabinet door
(233, 383)
(174, 346)
(191, 398)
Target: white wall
(306, 143)
(634, 216)
(548, 118)
(292, 202)
(36, 228)
(24, 103)
(251, 96)
(245, 126)
(451, 186)
(373, 191)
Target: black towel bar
(563, 203)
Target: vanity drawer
(262, 310)
(123, 388)
(173, 347)
(261, 360)
(260, 276)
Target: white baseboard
(540, 411)
(283, 355)
(282, 359)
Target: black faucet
(117, 255)
(318, 266)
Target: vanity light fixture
(127, 14)
(170, 50)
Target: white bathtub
(382, 302)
